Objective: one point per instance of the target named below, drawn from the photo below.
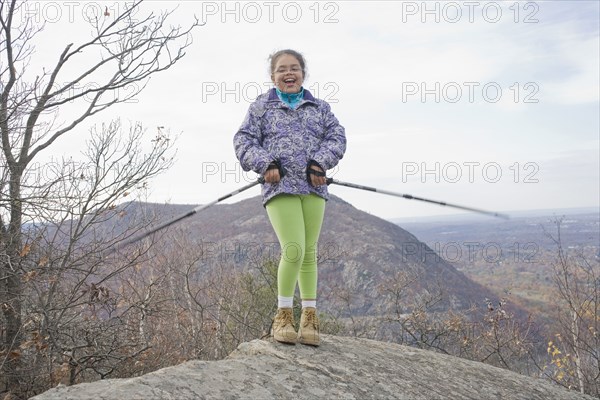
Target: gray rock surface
(341, 368)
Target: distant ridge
(513, 214)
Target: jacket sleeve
(333, 146)
(248, 143)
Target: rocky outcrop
(341, 368)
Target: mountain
(342, 367)
(359, 252)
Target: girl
(292, 138)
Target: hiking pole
(189, 213)
(410, 197)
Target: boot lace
(285, 317)
(310, 319)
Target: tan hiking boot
(308, 333)
(283, 326)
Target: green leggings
(297, 221)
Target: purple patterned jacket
(272, 131)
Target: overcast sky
(487, 104)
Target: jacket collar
(308, 97)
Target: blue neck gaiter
(291, 99)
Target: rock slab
(341, 368)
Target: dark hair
(273, 59)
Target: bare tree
(124, 53)
(575, 354)
(236, 305)
(73, 304)
(492, 335)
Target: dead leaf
(25, 250)
(29, 276)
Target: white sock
(309, 303)
(285, 302)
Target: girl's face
(287, 75)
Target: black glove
(277, 165)
(310, 171)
